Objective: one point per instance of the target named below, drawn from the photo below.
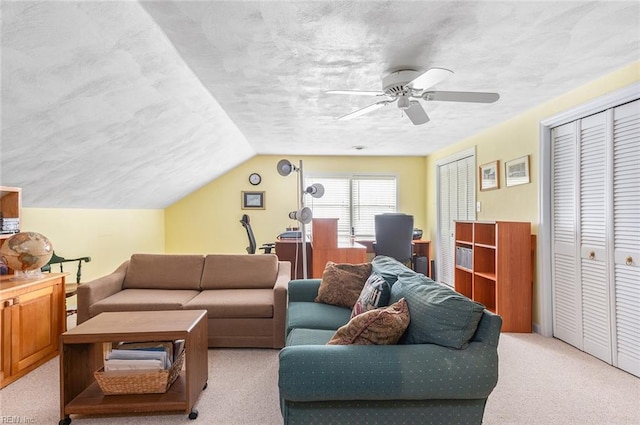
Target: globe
(26, 251)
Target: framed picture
(490, 176)
(516, 171)
(252, 200)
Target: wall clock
(255, 179)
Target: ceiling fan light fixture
(404, 102)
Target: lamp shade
(303, 215)
(285, 167)
(316, 190)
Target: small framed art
(253, 200)
(490, 176)
(516, 171)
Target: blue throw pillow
(439, 315)
(375, 293)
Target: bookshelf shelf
(493, 267)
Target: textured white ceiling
(125, 104)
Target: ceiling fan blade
(430, 78)
(357, 92)
(461, 96)
(416, 113)
(365, 110)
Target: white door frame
(544, 295)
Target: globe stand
(27, 274)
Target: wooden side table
(82, 353)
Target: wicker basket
(139, 382)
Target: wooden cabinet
(32, 318)
(493, 267)
(10, 207)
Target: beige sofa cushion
(144, 299)
(234, 303)
(234, 271)
(164, 271)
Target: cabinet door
(35, 326)
(593, 205)
(5, 340)
(626, 220)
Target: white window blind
(354, 200)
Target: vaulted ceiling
(161, 97)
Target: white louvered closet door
(594, 179)
(456, 200)
(596, 235)
(626, 220)
(567, 314)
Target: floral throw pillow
(381, 326)
(342, 283)
(375, 293)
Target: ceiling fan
(408, 87)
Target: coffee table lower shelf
(93, 401)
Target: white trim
(456, 156)
(544, 293)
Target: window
(354, 200)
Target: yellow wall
(515, 138)
(208, 220)
(512, 139)
(107, 236)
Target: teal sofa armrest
(303, 290)
(387, 372)
(488, 330)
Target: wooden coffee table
(82, 353)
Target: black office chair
(394, 236)
(251, 249)
(71, 288)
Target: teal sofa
(406, 383)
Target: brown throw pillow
(382, 326)
(342, 283)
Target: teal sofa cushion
(304, 336)
(389, 268)
(313, 315)
(439, 315)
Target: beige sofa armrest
(280, 289)
(91, 292)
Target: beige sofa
(245, 295)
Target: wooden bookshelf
(10, 206)
(493, 267)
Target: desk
(291, 250)
(423, 249)
(325, 246)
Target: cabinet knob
(8, 303)
(629, 260)
(592, 255)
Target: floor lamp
(303, 214)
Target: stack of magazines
(143, 355)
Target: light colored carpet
(542, 381)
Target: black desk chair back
(251, 249)
(71, 288)
(394, 236)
